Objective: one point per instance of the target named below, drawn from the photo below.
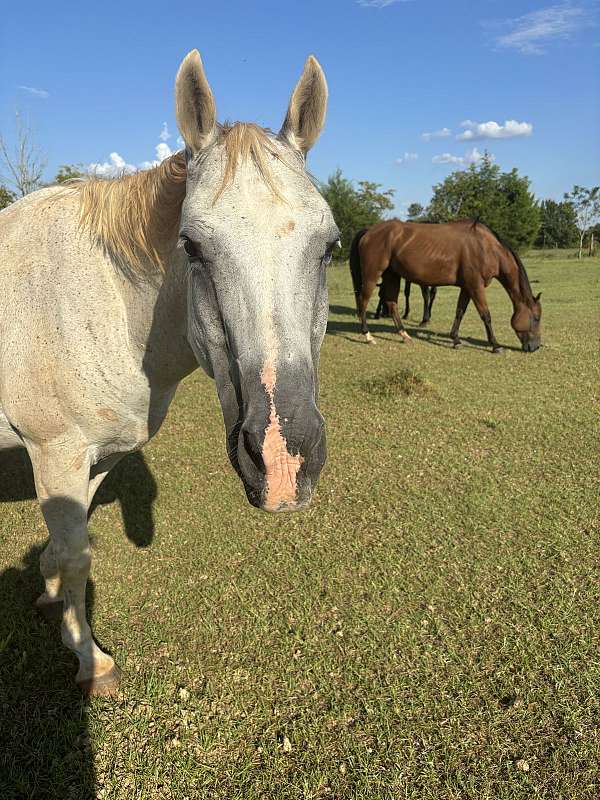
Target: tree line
(502, 200)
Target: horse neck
(515, 284)
(157, 320)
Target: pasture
(427, 629)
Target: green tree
(500, 199)
(354, 208)
(586, 203)
(415, 211)
(67, 172)
(6, 197)
(558, 226)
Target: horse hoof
(405, 336)
(424, 323)
(369, 339)
(51, 610)
(106, 685)
(456, 344)
(498, 350)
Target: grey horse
(114, 291)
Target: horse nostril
(253, 449)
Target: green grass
(427, 629)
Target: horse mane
(135, 218)
(524, 285)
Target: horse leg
(407, 285)
(62, 485)
(395, 315)
(461, 307)
(484, 312)
(432, 296)
(363, 302)
(425, 291)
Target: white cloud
(116, 164)
(379, 3)
(447, 158)
(41, 93)
(471, 157)
(493, 130)
(407, 157)
(443, 133)
(164, 134)
(533, 32)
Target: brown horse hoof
(106, 685)
(424, 323)
(456, 344)
(498, 350)
(51, 611)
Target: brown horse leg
(461, 307)
(363, 302)
(407, 286)
(428, 293)
(395, 314)
(484, 312)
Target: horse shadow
(423, 334)
(45, 747)
(130, 482)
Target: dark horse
(465, 253)
(384, 309)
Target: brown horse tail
(355, 268)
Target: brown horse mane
(524, 284)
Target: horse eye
(189, 247)
(327, 258)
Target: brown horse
(465, 253)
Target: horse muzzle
(279, 461)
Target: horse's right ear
(537, 299)
(195, 108)
(308, 105)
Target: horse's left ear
(308, 105)
(537, 299)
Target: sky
(418, 88)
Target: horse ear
(537, 299)
(306, 113)
(195, 108)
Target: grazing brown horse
(383, 307)
(465, 253)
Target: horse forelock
(245, 142)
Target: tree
(586, 203)
(502, 200)
(67, 172)
(415, 210)
(354, 208)
(6, 197)
(25, 165)
(558, 224)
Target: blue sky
(519, 78)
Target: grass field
(428, 629)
